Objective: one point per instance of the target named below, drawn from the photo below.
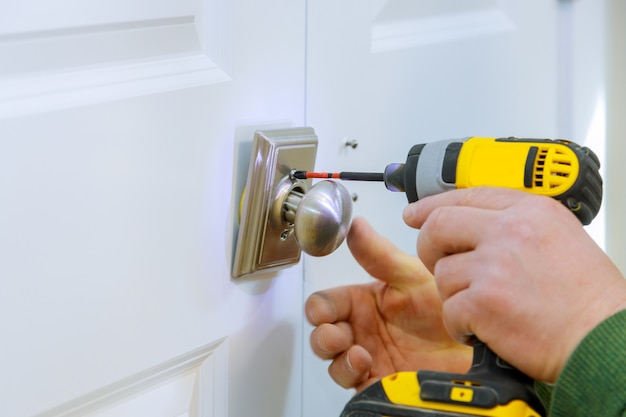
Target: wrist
(619, 308)
(588, 324)
(588, 382)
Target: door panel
(394, 73)
(189, 385)
(123, 131)
(52, 59)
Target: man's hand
(518, 271)
(394, 324)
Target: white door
(393, 73)
(124, 126)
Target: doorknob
(281, 216)
(321, 217)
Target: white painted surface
(616, 131)
(124, 127)
(92, 60)
(191, 384)
(119, 182)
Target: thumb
(382, 259)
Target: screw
(355, 197)
(284, 235)
(352, 143)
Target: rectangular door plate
(265, 243)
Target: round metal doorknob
(322, 218)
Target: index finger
(415, 214)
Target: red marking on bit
(322, 175)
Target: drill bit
(349, 176)
(393, 177)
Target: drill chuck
(393, 177)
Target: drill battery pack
(490, 388)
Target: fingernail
(348, 362)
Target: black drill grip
(493, 382)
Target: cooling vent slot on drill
(552, 167)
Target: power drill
(555, 168)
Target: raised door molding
(192, 385)
(402, 25)
(131, 53)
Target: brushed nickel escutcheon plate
(266, 243)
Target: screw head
(352, 143)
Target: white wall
(616, 131)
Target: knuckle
(516, 226)
(442, 273)
(493, 295)
(436, 220)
